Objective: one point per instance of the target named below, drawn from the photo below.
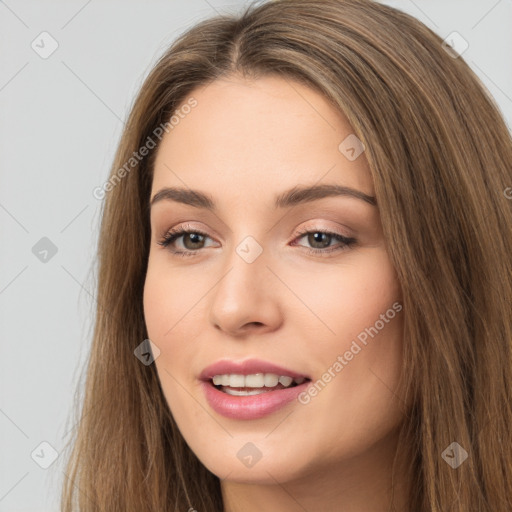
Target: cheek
(169, 315)
(355, 336)
(169, 297)
(343, 300)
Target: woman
(304, 282)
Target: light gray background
(60, 121)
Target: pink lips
(252, 406)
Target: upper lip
(247, 367)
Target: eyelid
(318, 225)
(187, 226)
(310, 225)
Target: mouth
(255, 383)
(250, 389)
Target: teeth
(236, 381)
(271, 380)
(285, 381)
(255, 380)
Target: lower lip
(250, 407)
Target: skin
(245, 142)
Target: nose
(246, 298)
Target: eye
(193, 239)
(321, 239)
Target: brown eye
(195, 240)
(320, 240)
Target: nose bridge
(244, 295)
(245, 267)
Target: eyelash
(173, 234)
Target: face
(301, 289)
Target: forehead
(258, 135)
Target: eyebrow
(294, 196)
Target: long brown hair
(440, 156)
